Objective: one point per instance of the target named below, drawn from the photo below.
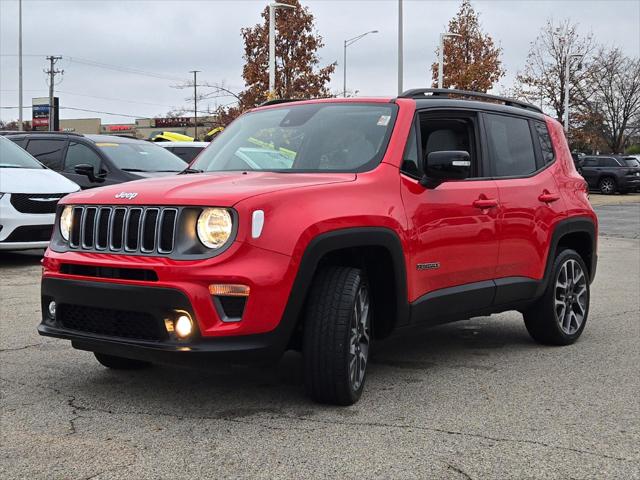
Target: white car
(29, 193)
(186, 151)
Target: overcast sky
(170, 38)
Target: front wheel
(560, 315)
(337, 336)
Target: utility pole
(52, 72)
(20, 123)
(195, 102)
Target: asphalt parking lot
(474, 399)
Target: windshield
(141, 157)
(318, 137)
(13, 156)
(631, 162)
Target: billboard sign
(40, 113)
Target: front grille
(35, 203)
(113, 323)
(109, 272)
(30, 233)
(146, 230)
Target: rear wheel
(607, 186)
(337, 336)
(560, 315)
(120, 363)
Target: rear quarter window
(546, 146)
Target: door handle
(548, 197)
(485, 203)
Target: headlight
(66, 219)
(214, 227)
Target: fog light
(52, 309)
(183, 326)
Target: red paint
(476, 229)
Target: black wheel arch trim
(341, 239)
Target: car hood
(34, 180)
(223, 189)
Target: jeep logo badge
(127, 195)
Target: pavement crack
(2, 350)
(459, 470)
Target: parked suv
(98, 160)
(611, 173)
(354, 219)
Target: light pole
(400, 35)
(195, 103)
(567, 64)
(20, 124)
(348, 42)
(441, 55)
(272, 44)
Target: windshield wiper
(133, 170)
(191, 170)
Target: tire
(607, 186)
(560, 315)
(337, 336)
(120, 363)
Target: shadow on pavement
(19, 258)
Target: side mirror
(445, 165)
(88, 171)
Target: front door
(453, 227)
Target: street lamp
(351, 41)
(20, 122)
(567, 63)
(272, 44)
(441, 54)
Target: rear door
(522, 162)
(590, 171)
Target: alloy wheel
(607, 186)
(571, 297)
(360, 338)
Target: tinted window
(546, 146)
(12, 156)
(511, 145)
(78, 154)
(410, 163)
(187, 154)
(608, 162)
(589, 162)
(141, 157)
(47, 151)
(315, 137)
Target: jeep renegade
(325, 225)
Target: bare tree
(615, 83)
(543, 79)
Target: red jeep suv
(325, 225)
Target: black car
(97, 160)
(611, 173)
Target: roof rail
(426, 93)
(276, 101)
(45, 132)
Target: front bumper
(21, 231)
(157, 303)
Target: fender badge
(428, 266)
(127, 195)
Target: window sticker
(383, 121)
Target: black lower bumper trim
(157, 302)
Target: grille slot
(35, 203)
(114, 323)
(144, 230)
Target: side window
(77, 154)
(511, 145)
(446, 132)
(47, 151)
(410, 163)
(609, 162)
(546, 147)
(589, 162)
